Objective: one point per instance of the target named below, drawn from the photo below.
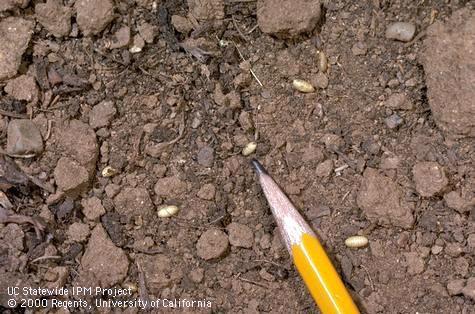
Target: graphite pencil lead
(258, 167)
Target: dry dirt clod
(399, 101)
(288, 18)
(170, 187)
(108, 263)
(207, 192)
(450, 87)
(102, 114)
(393, 121)
(212, 244)
(415, 264)
(206, 156)
(402, 31)
(196, 275)
(23, 87)
(469, 289)
(71, 177)
(92, 208)
(147, 31)
(471, 241)
(121, 38)
(324, 169)
(240, 235)
(78, 232)
(381, 200)
(429, 178)
(55, 17)
(206, 9)
(24, 138)
(455, 201)
(56, 277)
(133, 202)
(181, 24)
(93, 15)
(160, 272)
(359, 49)
(11, 4)
(15, 34)
(455, 286)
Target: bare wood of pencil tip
(291, 224)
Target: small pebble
(402, 31)
(167, 211)
(249, 148)
(356, 241)
(303, 86)
(393, 121)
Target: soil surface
(127, 129)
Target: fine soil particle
(112, 110)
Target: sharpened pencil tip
(258, 167)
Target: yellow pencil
(309, 257)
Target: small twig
(339, 169)
(369, 277)
(55, 100)
(252, 282)
(350, 162)
(216, 220)
(48, 132)
(238, 29)
(418, 36)
(13, 114)
(4, 152)
(345, 196)
(253, 29)
(42, 258)
(137, 144)
(44, 185)
(250, 70)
